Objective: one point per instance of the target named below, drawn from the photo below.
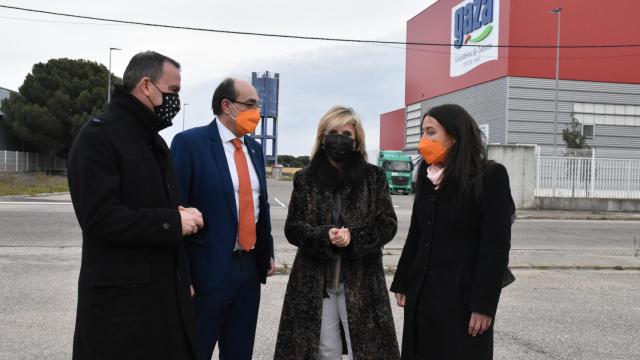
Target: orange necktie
(247, 219)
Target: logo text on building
(473, 22)
(470, 18)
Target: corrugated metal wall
(531, 107)
(486, 102)
(529, 103)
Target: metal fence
(17, 161)
(587, 177)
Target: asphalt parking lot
(550, 312)
(545, 314)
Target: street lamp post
(556, 11)
(184, 114)
(109, 83)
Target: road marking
(33, 203)
(280, 202)
(396, 206)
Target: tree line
(54, 101)
(293, 161)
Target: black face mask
(169, 108)
(337, 146)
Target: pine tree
(54, 101)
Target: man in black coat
(133, 291)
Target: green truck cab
(398, 168)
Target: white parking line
(280, 202)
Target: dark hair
(467, 157)
(350, 172)
(148, 63)
(226, 90)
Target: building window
(413, 139)
(606, 114)
(414, 107)
(414, 122)
(587, 131)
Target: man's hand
(191, 220)
(272, 267)
(479, 324)
(192, 291)
(401, 299)
(340, 237)
(191, 210)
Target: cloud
(314, 74)
(368, 78)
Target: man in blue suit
(222, 173)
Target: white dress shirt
(226, 136)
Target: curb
(49, 194)
(575, 267)
(27, 196)
(390, 270)
(586, 217)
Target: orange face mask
(247, 121)
(432, 151)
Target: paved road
(544, 315)
(42, 224)
(587, 315)
(54, 224)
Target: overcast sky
(314, 75)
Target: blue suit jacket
(205, 183)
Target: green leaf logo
(483, 35)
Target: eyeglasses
(249, 105)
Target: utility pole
(109, 82)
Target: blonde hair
(339, 116)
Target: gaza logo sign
(473, 22)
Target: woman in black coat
(340, 216)
(450, 273)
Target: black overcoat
(133, 300)
(452, 264)
(368, 214)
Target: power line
(398, 47)
(448, 53)
(301, 37)
(56, 21)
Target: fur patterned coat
(368, 213)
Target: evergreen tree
(54, 101)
